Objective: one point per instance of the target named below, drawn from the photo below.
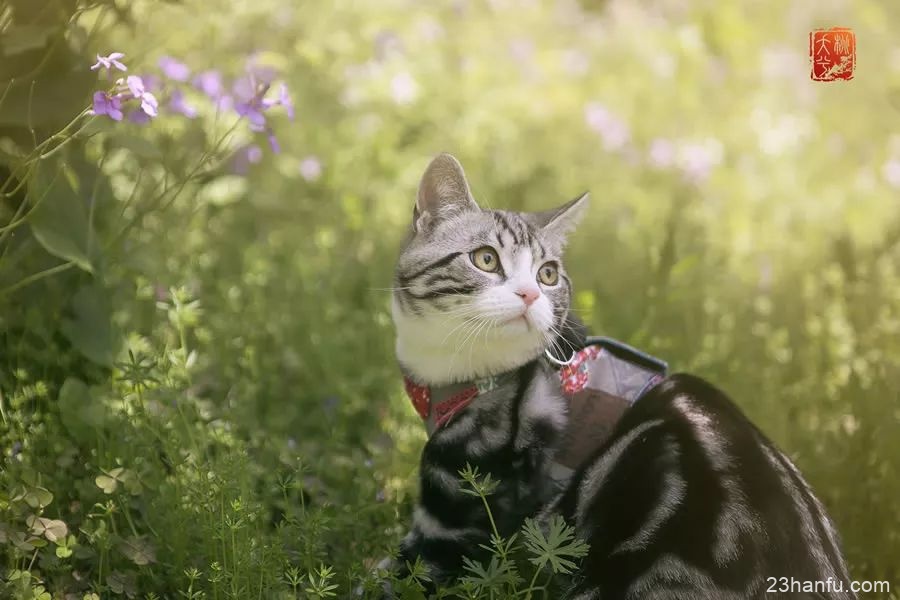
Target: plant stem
(489, 514)
(36, 276)
(531, 584)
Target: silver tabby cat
(686, 500)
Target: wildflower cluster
(694, 159)
(135, 97)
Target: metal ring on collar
(553, 359)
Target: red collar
(444, 409)
(436, 406)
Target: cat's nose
(528, 295)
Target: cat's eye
(549, 274)
(486, 259)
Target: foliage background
(744, 226)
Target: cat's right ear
(443, 192)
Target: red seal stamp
(832, 53)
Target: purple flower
(149, 104)
(404, 88)
(273, 143)
(662, 153)
(596, 116)
(698, 159)
(284, 99)
(246, 156)
(245, 89)
(310, 168)
(174, 69)
(105, 104)
(136, 86)
(891, 172)
(178, 104)
(253, 112)
(254, 154)
(210, 83)
(612, 129)
(250, 103)
(224, 104)
(152, 82)
(138, 117)
(259, 74)
(109, 62)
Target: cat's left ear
(559, 222)
(443, 192)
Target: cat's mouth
(520, 319)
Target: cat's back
(688, 499)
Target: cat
(686, 499)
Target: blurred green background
(196, 354)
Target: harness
(600, 382)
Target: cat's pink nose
(528, 295)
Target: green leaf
(20, 541)
(55, 530)
(19, 575)
(38, 497)
(59, 220)
(91, 330)
(557, 548)
(138, 550)
(52, 529)
(39, 593)
(106, 483)
(120, 583)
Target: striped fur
(687, 499)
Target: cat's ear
(560, 221)
(443, 192)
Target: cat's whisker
(552, 336)
(467, 313)
(486, 325)
(460, 325)
(463, 342)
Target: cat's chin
(506, 348)
(514, 325)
